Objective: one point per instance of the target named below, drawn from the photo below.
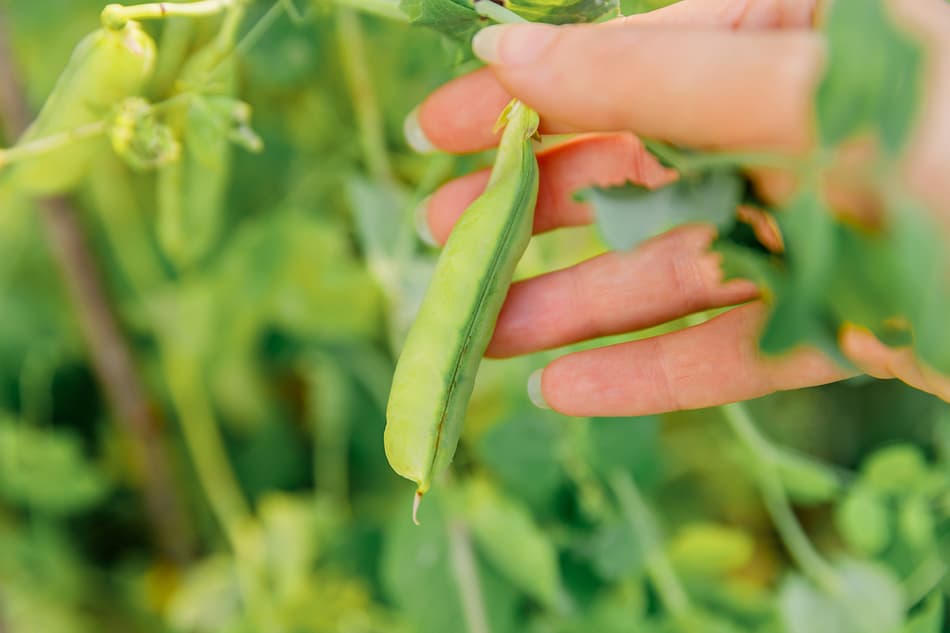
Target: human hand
(717, 74)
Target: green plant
(268, 344)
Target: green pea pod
(106, 67)
(192, 191)
(436, 370)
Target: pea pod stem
(658, 566)
(498, 13)
(44, 145)
(382, 8)
(774, 495)
(116, 16)
(776, 499)
(40, 146)
(465, 571)
(354, 62)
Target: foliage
(270, 348)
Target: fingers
(707, 365)
(666, 278)
(749, 89)
(755, 14)
(877, 359)
(459, 116)
(604, 160)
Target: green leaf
(564, 12)
(868, 601)
(895, 470)
(873, 78)
(867, 287)
(807, 480)
(710, 549)
(810, 235)
(929, 619)
(423, 577)
(631, 444)
(863, 521)
(46, 470)
(798, 290)
(507, 535)
(630, 214)
(456, 19)
(916, 522)
(522, 452)
(615, 552)
(620, 610)
(922, 263)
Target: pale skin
(716, 74)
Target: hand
(718, 74)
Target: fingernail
(534, 390)
(523, 43)
(422, 223)
(415, 136)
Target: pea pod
(106, 67)
(436, 370)
(192, 191)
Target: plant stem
(659, 568)
(359, 82)
(498, 13)
(686, 162)
(110, 353)
(40, 146)
(776, 500)
(204, 442)
(465, 570)
(218, 482)
(116, 16)
(383, 8)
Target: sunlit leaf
(868, 601)
(873, 80)
(630, 214)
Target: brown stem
(109, 352)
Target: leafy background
(267, 365)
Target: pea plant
(197, 411)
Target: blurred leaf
(916, 522)
(615, 552)
(209, 599)
(709, 549)
(864, 521)
(564, 11)
(507, 535)
(522, 452)
(455, 18)
(422, 577)
(895, 470)
(869, 601)
(631, 444)
(930, 618)
(806, 479)
(629, 214)
(46, 470)
(873, 80)
(924, 281)
(619, 610)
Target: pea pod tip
(416, 502)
